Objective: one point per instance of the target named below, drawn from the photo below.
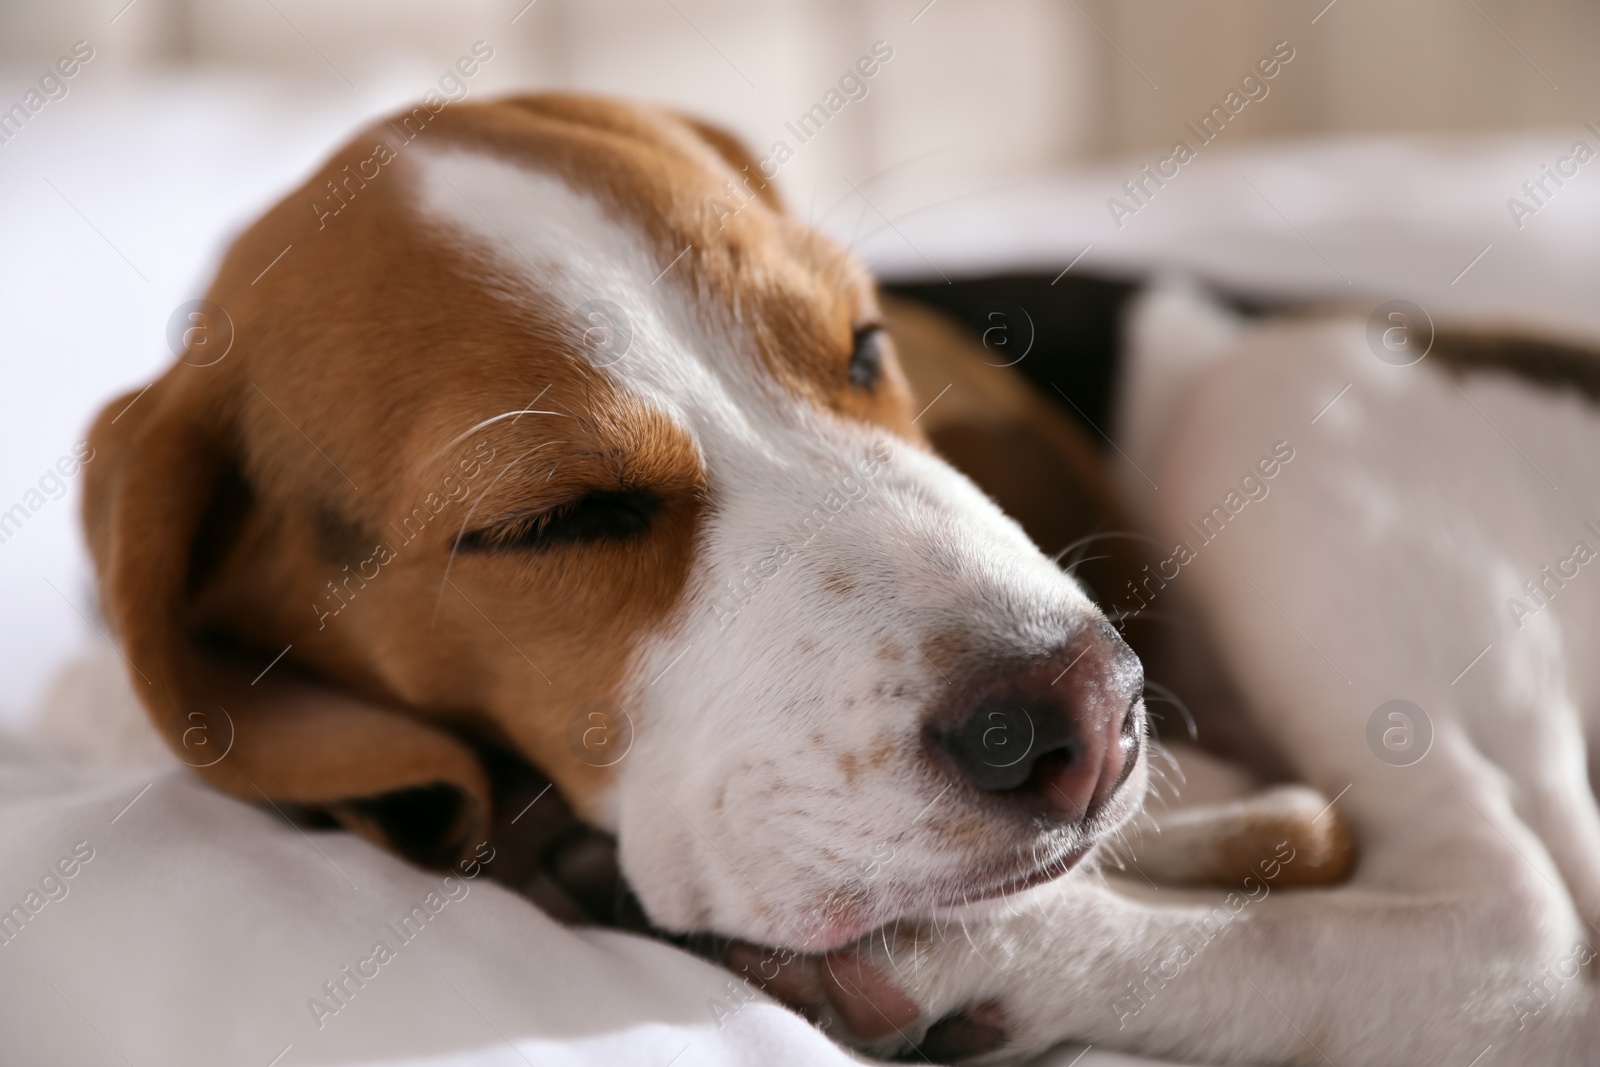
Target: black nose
(1051, 738)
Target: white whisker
(1167, 696)
(1105, 535)
(517, 414)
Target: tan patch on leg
(1285, 837)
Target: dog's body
(544, 444)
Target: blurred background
(999, 87)
(1380, 160)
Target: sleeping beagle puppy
(563, 445)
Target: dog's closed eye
(597, 515)
(867, 355)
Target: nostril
(1039, 759)
(1048, 750)
(999, 745)
(1036, 756)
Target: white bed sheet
(201, 931)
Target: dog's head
(541, 422)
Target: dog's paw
(907, 995)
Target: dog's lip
(849, 926)
(1019, 881)
(849, 923)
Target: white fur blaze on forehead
(769, 455)
(679, 354)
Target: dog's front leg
(1480, 950)
(1336, 977)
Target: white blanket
(161, 923)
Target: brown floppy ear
(164, 502)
